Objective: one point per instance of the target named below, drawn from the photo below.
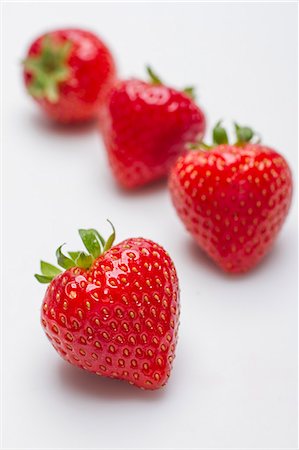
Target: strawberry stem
(220, 137)
(154, 79)
(199, 146)
(90, 240)
(62, 260)
(48, 69)
(219, 134)
(244, 134)
(108, 244)
(93, 242)
(190, 92)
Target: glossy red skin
(93, 71)
(233, 201)
(146, 128)
(120, 318)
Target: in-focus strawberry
(232, 198)
(146, 127)
(114, 311)
(69, 72)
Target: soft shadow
(270, 258)
(97, 387)
(200, 258)
(147, 190)
(47, 125)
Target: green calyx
(219, 134)
(190, 92)
(94, 243)
(243, 134)
(155, 79)
(48, 69)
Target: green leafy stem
(94, 243)
(155, 79)
(244, 135)
(48, 69)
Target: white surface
(234, 382)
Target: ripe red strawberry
(232, 198)
(68, 72)
(114, 311)
(146, 128)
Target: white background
(234, 382)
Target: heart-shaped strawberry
(115, 310)
(146, 127)
(232, 198)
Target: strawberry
(232, 198)
(68, 72)
(146, 128)
(115, 310)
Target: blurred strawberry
(68, 73)
(147, 127)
